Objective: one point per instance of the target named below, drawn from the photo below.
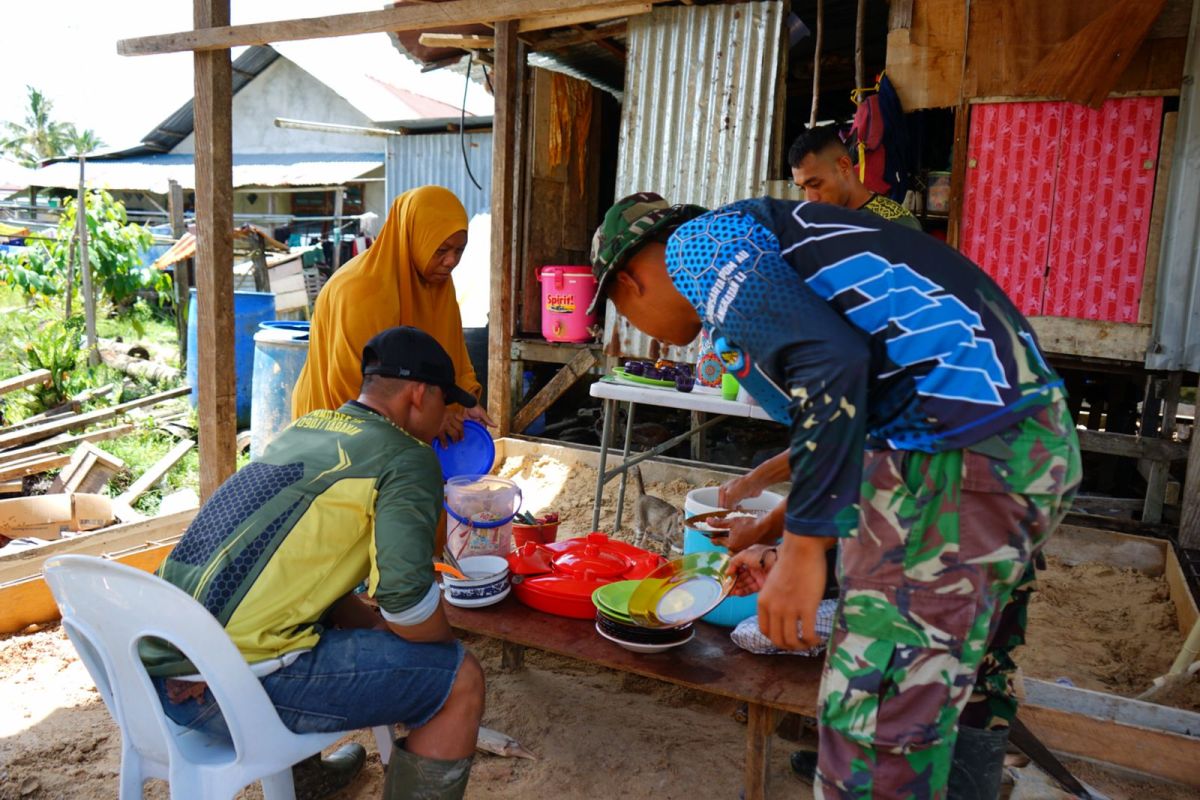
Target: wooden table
(710, 662)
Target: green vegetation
(115, 246)
(38, 136)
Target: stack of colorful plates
(681, 591)
(614, 623)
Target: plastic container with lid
(481, 509)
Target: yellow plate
(681, 591)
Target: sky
(69, 52)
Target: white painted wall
(285, 90)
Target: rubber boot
(317, 777)
(978, 764)
(413, 777)
(804, 765)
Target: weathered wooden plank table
(769, 685)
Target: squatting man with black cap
(338, 498)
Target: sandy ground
(597, 733)
(550, 485)
(1104, 628)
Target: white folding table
(613, 392)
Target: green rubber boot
(413, 777)
(318, 777)
(978, 764)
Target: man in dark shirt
(928, 435)
(822, 167)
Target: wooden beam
(579, 16)
(410, 17)
(1158, 212)
(1090, 338)
(156, 472)
(21, 381)
(564, 379)
(1164, 755)
(215, 372)
(46, 429)
(1122, 444)
(460, 40)
(507, 78)
(1189, 518)
(64, 440)
(761, 722)
(556, 41)
(34, 466)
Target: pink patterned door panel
(1008, 203)
(1102, 212)
(1057, 203)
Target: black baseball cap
(412, 354)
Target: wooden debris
(89, 470)
(34, 465)
(48, 429)
(123, 505)
(127, 348)
(139, 367)
(21, 381)
(64, 440)
(182, 500)
(12, 487)
(47, 516)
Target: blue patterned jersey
(857, 333)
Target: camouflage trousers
(944, 543)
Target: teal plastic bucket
(250, 309)
(733, 609)
(280, 350)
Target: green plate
(614, 597)
(625, 376)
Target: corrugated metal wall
(699, 114)
(437, 158)
(1175, 340)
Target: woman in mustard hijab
(402, 279)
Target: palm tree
(39, 137)
(81, 142)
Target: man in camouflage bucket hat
(627, 225)
(928, 436)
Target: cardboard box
(47, 516)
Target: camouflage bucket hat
(629, 223)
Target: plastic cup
(729, 387)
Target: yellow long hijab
(381, 288)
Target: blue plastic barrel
(280, 350)
(249, 310)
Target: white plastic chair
(107, 608)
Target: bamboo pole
(85, 271)
(859, 70)
(816, 90)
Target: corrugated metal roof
(1175, 338)
(175, 128)
(698, 116)
(589, 62)
(153, 172)
(414, 161)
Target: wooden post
(338, 195)
(564, 379)
(860, 77)
(1189, 519)
(760, 726)
(506, 80)
(182, 268)
(215, 371)
(85, 271)
(816, 90)
(1160, 471)
(262, 282)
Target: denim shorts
(352, 679)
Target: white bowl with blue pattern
(486, 584)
